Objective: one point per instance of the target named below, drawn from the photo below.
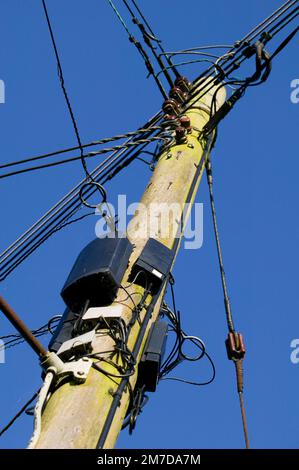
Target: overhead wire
(235, 62)
(19, 413)
(276, 30)
(280, 9)
(234, 343)
(111, 160)
(20, 241)
(148, 38)
(86, 155)
(65, 93)
(106, 140)
(140, 49)
(13, 340)
(64, 208)
(240, 45)
(159, 42)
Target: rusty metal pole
(20, 326)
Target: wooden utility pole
(76, 415)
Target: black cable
(238, 48)
(148, 41)
(124, 382)
(221, 113)
(187, 62)
(63, 210)
(87, 155)
(72, 194)
(73, 148)
(177, 74)
(64, 223)
(26, 233)
(176, 355)
(229, 319)
(283, 22)
(90, 144)
(16, 339)
(62, 83)
(197, 384)
(19, 413)
(269, 20)
(140, 49)
(256, 79)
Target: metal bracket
(77, 370)
(95, 315)
(79, 344)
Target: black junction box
(150, 364)
(156, 259)
(97, 273)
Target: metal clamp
(77, 370)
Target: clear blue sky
(256, 186)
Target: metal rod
(22, 328)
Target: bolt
(169, 155)
(191, 146)
(85, 359)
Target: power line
(19, 413)
(140, 49)
(127, 134)
(90, 144)
(240, 45)
(177, 74)
(148, 40)
(62, 83)
(34, 237)
(230, 66)
(87, 155)
(52, 216)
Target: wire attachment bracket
(77, 370)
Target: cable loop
(101, 190)
(195, 340)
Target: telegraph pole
(90, 415)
